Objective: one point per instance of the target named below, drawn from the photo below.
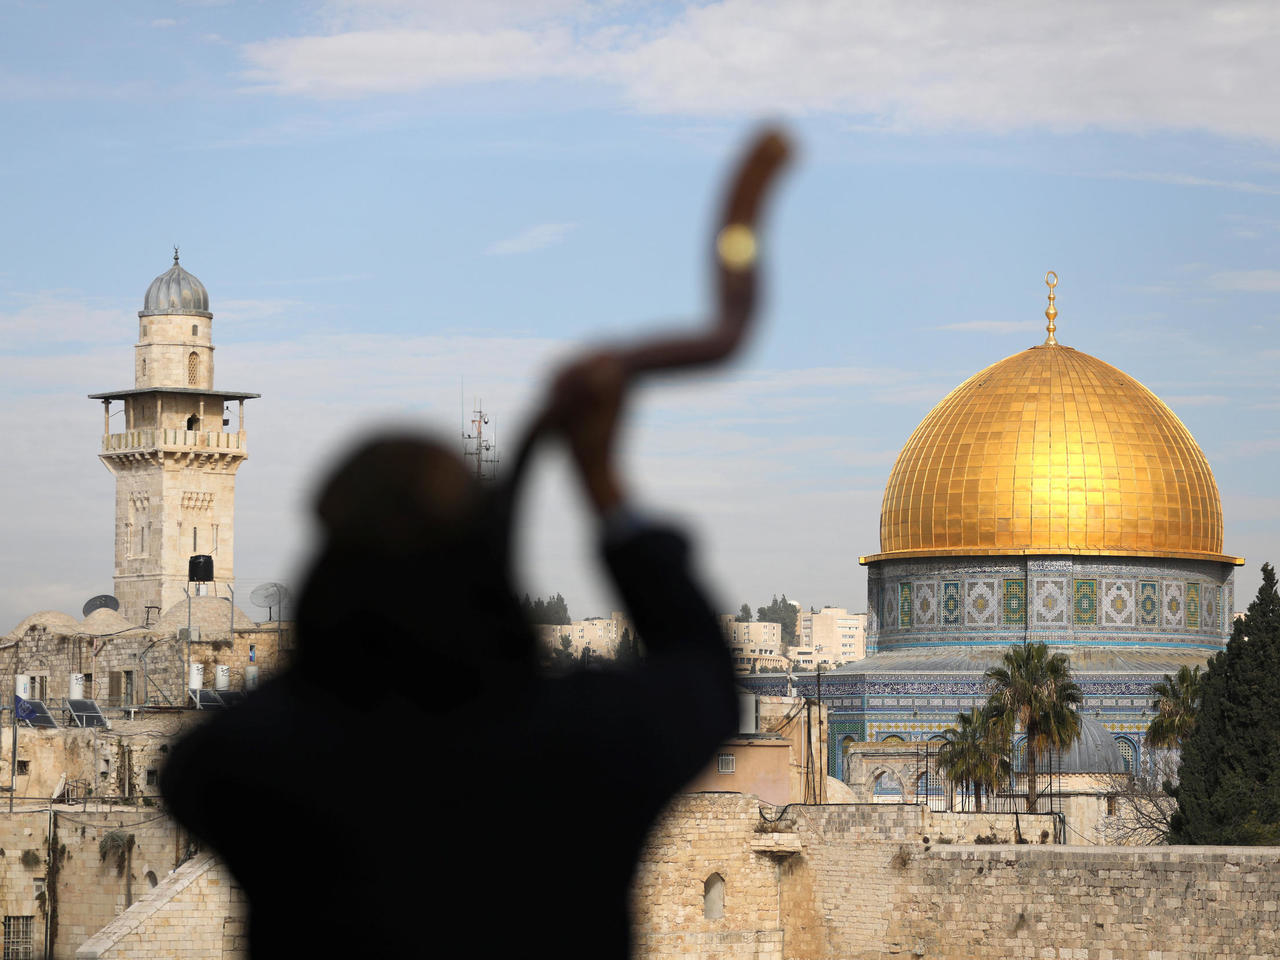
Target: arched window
(193, 368)
(1127, 752)
(144, 366)
(713, 897)
(151, 878)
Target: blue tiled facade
(935, 624)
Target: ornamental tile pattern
(1209, 620)
(1015, 602)
(1117, 603)
(1148, 603)
(952, 605)
(1084, 611)
(1175, 606)
(1193, 605)
(904, 605)
(980, 606)
(926, 604)
(1050, 605)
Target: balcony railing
(152, 439)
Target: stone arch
(713, 897)
(885, 785)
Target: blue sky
(385, 198)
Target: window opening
(17, 938)
(192, 422)
(725, 763)
(195, 329)
(713, 897)
(24, 767)
(193, 368)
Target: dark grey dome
(1095, 752)
(176, 291)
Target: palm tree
(1033, 690)
(972, 756)
(1176, 705)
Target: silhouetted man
(413, 785)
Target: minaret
(174, 453)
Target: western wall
(863, 881)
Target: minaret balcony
(149, 438)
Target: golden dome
(1051, 451)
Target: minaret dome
(176, 293)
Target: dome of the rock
(1051, 451)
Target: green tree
(744, 614)
(1176, 705)
(972, 756)
(781, 611)
(553, 609)
(1032, 690)
(1229, 780)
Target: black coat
(498, 812)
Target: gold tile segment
(1051, 451)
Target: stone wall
(1087, 903)
(701, 835)
(123, 761)
(862, 881)
(198, 913)
(91, 890)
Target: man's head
(398, 494)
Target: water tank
(221, 677)
(22, 685)
(75, 686)
(196, 678)
(200, 568)
(251, 676)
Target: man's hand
(586, 398)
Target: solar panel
(35, 714)
(231, 697)
(86, 713)
(207, 700)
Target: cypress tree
(1229, 780)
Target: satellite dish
(101, 601)
(273, 596)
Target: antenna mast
(483, 450)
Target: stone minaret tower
(174, 453)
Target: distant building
(834, 635)
(755, 645)
(601, 635)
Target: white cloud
(531, 239)
(1248, 281)
(164, 22)
(54, 317)
(1185, 180)
(994, 65)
